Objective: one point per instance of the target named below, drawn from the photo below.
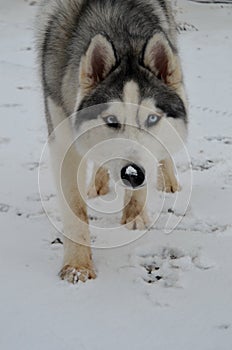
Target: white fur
(66, 160)
(134, 143)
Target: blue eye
(152, 120)
(112, 122)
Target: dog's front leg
(166, 177)
(134, 211)
(70, 178)
(77, 263)
(99, 185)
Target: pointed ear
(161, 61)
(97, 63)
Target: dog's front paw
(74, 274)
(100, 184)
(100, 190)
(166, 179)
(168, 185)
(134, 221)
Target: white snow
(162, 291)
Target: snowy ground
(162, 291)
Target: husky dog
(112, 65)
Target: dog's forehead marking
(131, 99)
(131, 93)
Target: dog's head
(131, 109)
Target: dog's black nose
(132, 175)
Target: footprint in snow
(186, 27)
(31, 165)
(165, 264)
(221, 139)
(4, 140)
(4, 208)
(203, 165)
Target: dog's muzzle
(132, 175)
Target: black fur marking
(149, 86)
(112, 124)
(89, 112)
